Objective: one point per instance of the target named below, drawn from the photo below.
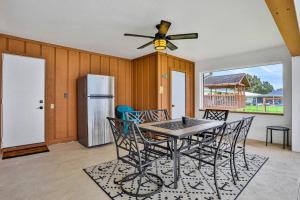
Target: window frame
(201, 86)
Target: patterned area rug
(193, 184)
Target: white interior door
(178, 94)
(22, 100)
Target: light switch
(161, 89)
(51, 106)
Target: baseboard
(24, 150)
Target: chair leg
(245, 159)
(199, 161)
(231, 170)
(178, 165)
(267, 132)
(216, 183)
(234, 165)
(139, 186)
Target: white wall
(260, 57)
(296, 103)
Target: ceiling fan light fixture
(160, 44)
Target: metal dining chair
(217, 150)
(240, 143)
(141, 155)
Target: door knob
(40, 107)
(173, 106)
(41, 101)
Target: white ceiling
(225, 27)
(297, 6)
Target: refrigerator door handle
(101, 96)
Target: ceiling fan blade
(136, 35)
(171, 46)
(182, 36)
(164, 27)
(145, 45)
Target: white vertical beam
(296, 104)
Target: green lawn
(269, 109)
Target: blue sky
(271, 73)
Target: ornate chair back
(125, 134)
(212, 114)
(226, 141)
(158, 115)
(138, 117)
(245, 129)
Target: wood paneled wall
(63, 67)
(152, 72)
(145, 84)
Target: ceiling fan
(161, 40)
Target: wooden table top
(183, 132)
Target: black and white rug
(193, 184)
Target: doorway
(23, 93)
(178, 94)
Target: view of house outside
(252, 89)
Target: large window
(252, 89)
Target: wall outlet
(52, 106)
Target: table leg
(287, 135)
(283, 139)
(271, 136)
(267, 132)
(175, 164)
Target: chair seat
(147, 156)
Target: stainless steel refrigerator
(95, 102)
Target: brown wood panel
(61, 88)
(85, 63)
(165, 76)
(95, 64)
(113, 71)
(73, 74)
(192, 65)
(128, 82)
(134, 83)
(153, 82)
(33, 49)
(188, 89)
(16, 46)
(284, 14)
(3, 44)
(121, 79)
(159, 80)
(140, 82)
(176, 65)
(145, 88)
(105, 65)
(182, 65)
(49, 54)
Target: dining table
(178, 130)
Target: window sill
(255, 113)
